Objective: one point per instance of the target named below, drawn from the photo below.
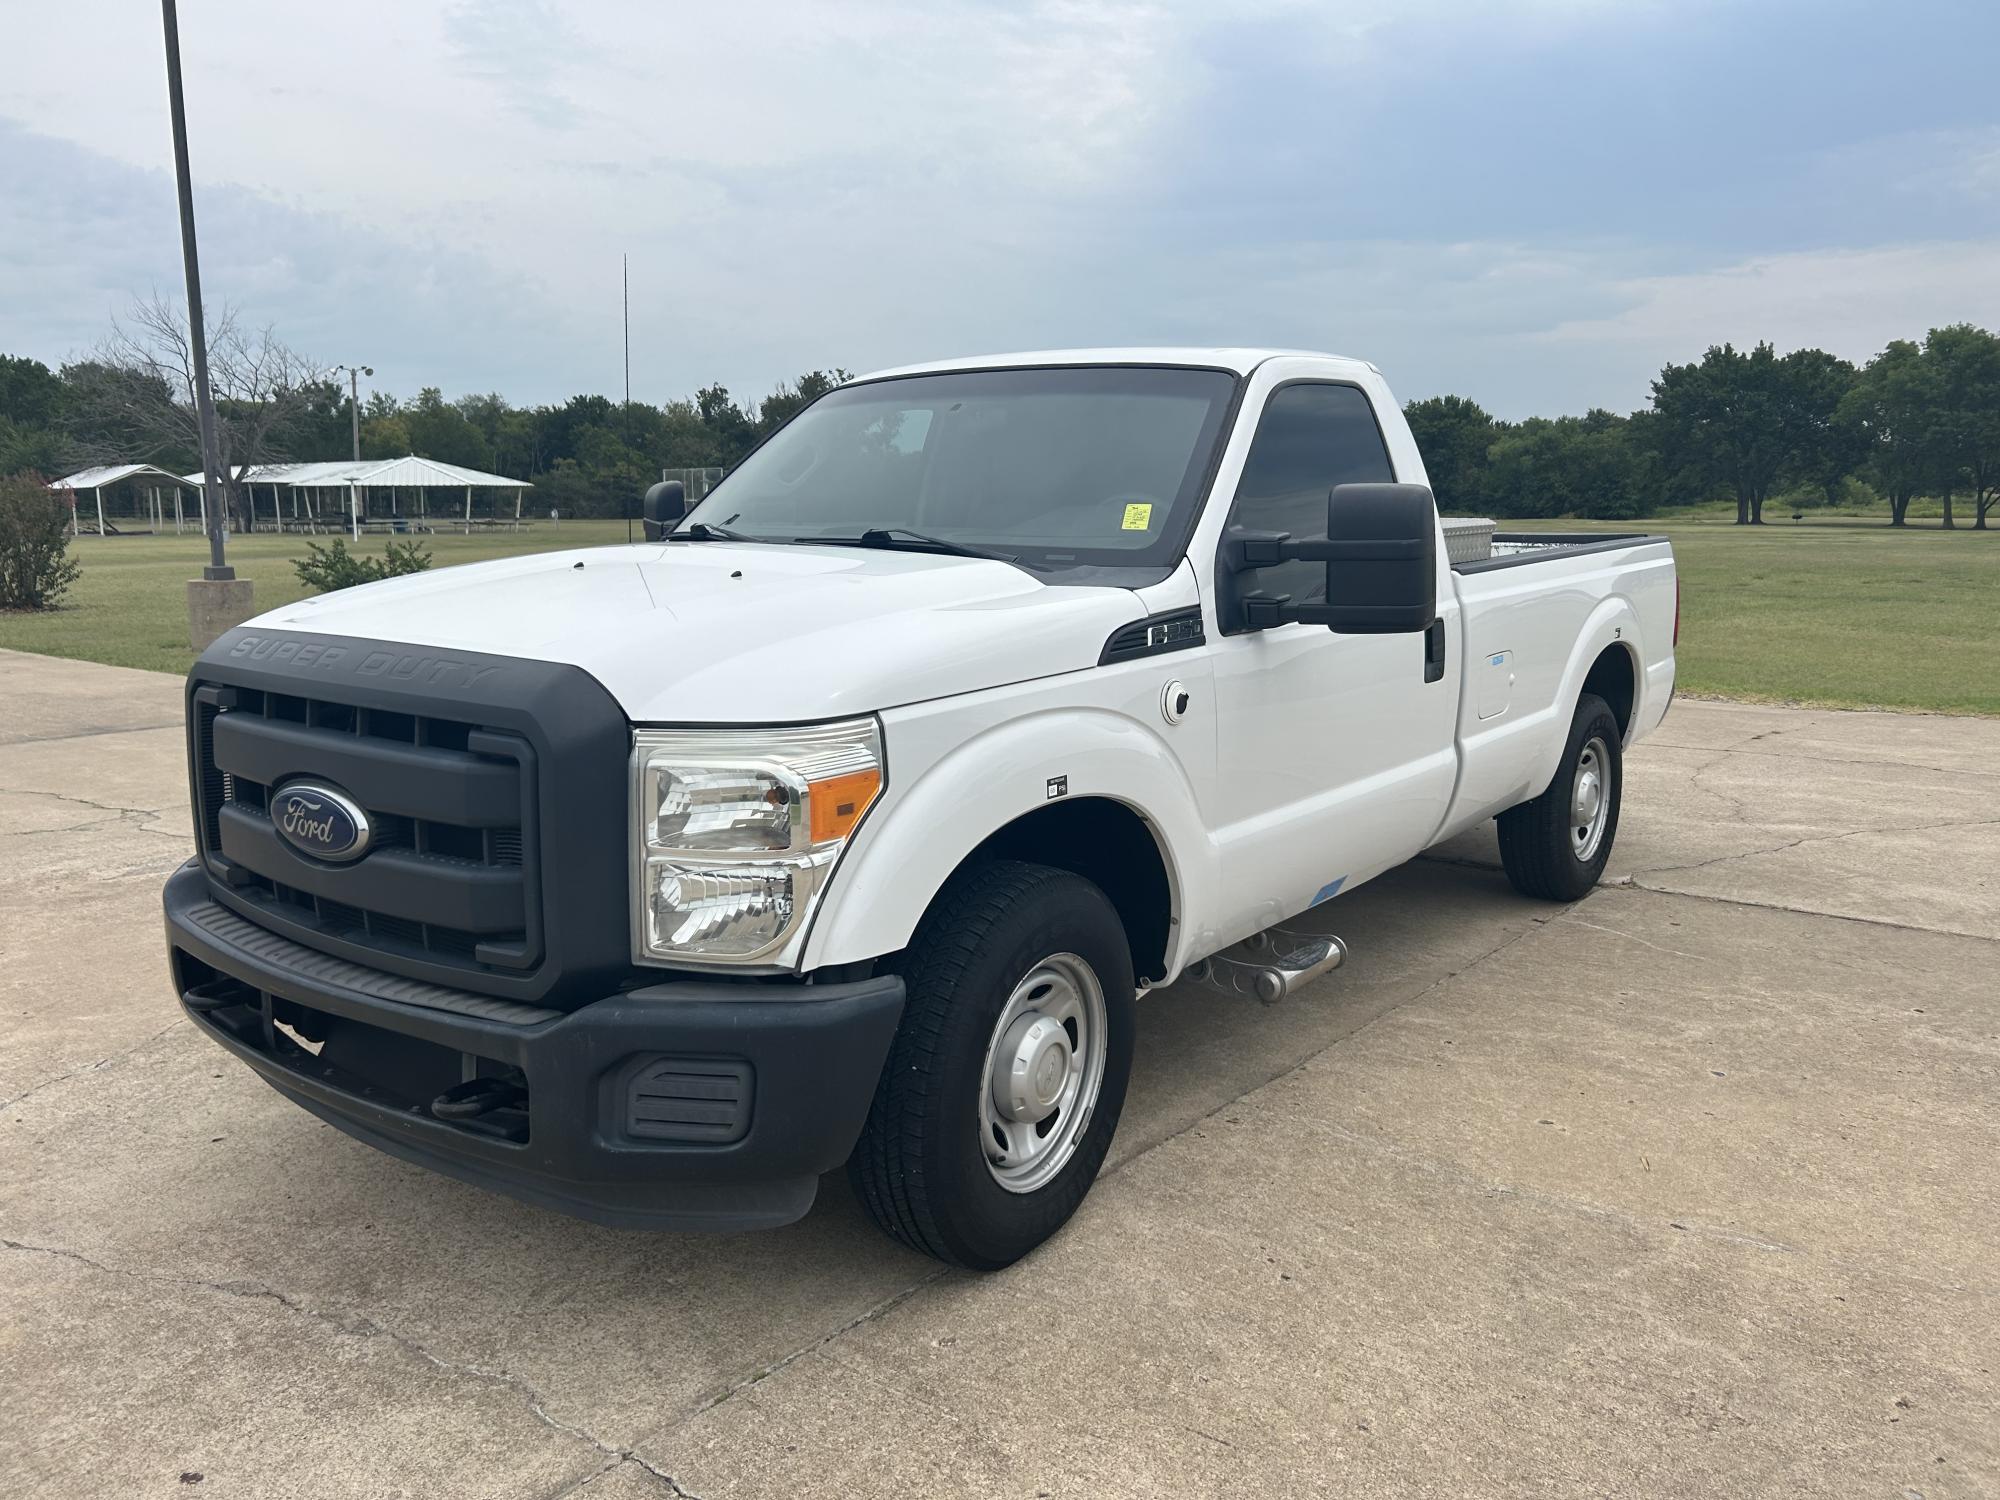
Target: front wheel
(1556, 846)
(1007, 1075)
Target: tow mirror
(1380, 555)
(1381, 561)
(665, 504)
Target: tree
(386, 436)
(31, 450)
(685, 441)
(1965, 370)
(1454, 435)
(1895, 403)
(1570, 466)
(33, 405)
(787, 401)
(321, 429)
(1724, 418)
(441, 431)
(31, 395)
(138, 396)
(727, 423)
(1822, 445)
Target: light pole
(211, 464)
(354, 374)
(218, 600)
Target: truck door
(1335, 753)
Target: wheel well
(1612, 679)
(1110, 845)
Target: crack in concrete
(360, 1325)
(757, 1377)
(577, 1487)
(1630, 882)
(1738, 809)
(1828, 760)
(91, 1067)
(139, 817)
(1816, 838)
(1633, 937)
(90, 734)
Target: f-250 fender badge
(321, 822)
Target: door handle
(1434, 651)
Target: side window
(1310, 438)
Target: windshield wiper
(701, 531)
(903, 539)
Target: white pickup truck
(846, 819)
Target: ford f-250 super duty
(846, 818)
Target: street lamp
(218, 600)
(354, 374)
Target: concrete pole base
(216, 605)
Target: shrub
(334, 567)
(406, 557)
(36, 569)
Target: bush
(36, 569)
(406, 557)
(334, 567)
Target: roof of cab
(1240, 361)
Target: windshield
(1098, 465)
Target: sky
(1534, 203)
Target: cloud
(1494, 196)
(525, 47)
(1850, 302)
(83, 235)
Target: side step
(1269, 965)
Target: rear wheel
(1008, 1073)
(1556, 846)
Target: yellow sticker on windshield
(1138, 517)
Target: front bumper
(684, 1105)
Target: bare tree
(137, 392)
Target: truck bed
(1513, 549)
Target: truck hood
(728, 633)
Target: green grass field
(1835, 612)
(1827, 611)
(130, 606)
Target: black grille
(497, 791)
(445, 880)
(212, 784)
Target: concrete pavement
(1687, 1189)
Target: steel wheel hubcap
(1044, 1067)
(1589, 800)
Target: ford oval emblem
(320, 821)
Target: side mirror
(1380, 555)
(665, 504)
(1381, 560)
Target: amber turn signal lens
(839, 801)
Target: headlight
(736, 831)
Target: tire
(1542, 843)
(923, 1167)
